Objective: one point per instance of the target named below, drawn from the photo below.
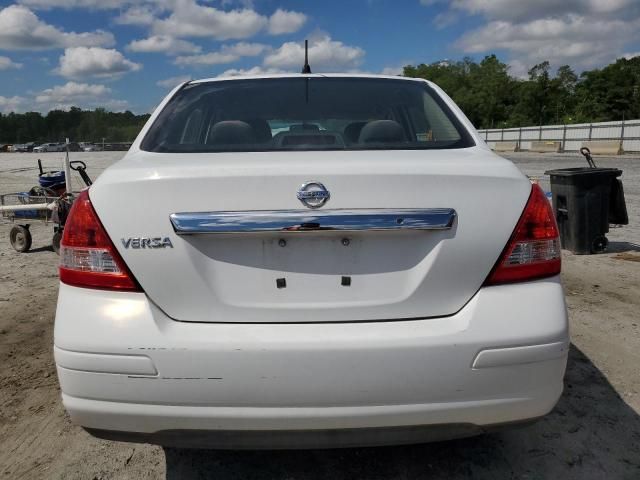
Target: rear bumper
(303, 439)
(126, 367)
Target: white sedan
(49, 147)
(309, 261)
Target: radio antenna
(306, 69)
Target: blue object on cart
(52, 179)
(26, 213)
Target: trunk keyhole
(346, 281)
(281, 282)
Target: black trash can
(583, 200)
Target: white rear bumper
(125, 366)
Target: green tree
(610, 93)
(75, 124)
(484, 91)
(492, 98)
(563, 87)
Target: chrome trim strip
(304, 220)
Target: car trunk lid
(386, 264)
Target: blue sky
(126, 54)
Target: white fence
(571, 136)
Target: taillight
(88, 258)
(533, 251)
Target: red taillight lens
(533, 250)
(87, 255)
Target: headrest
(230, 132)
(382, 131)
(261, 130)
(352, 131)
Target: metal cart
(23, 209)
(41, 205)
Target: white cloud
(189, 19)
(527, 10)
(72, 92)
(244, 49)
(392, 70)
(257, 70)
(445, 19)
(232, 19)
(163, 44)
(21, 29)
(285, 21)
(6, 63)
(227, 54)
(213, 58)
(325, 54)
(630, 55)
(173, 81)
(81, 62)
(571, 39)
(519, 69)
(63, 97)
(583, 33)
(68, 4)
(138, 15)
(12, 104)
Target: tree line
(76, 124)
(485, 91)
(492, 98)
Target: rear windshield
(305, 113)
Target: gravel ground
(593, 433)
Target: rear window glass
(305, 113)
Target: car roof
(311, 75)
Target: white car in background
(309, 260)
(49, 147)
(90, 147)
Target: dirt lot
(593, 433)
